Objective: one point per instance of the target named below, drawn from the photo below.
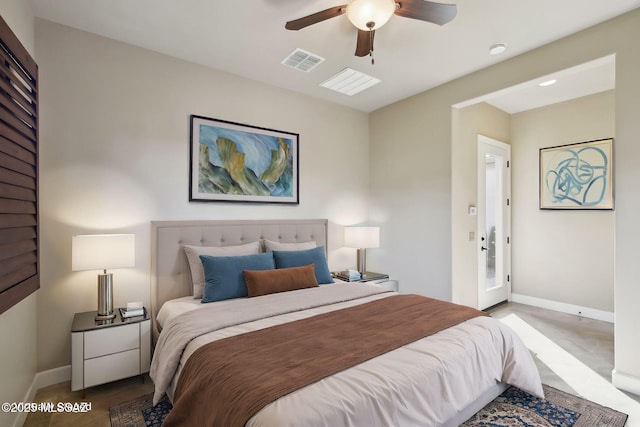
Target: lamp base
(106, 316)
(105, 297)
(362, 261)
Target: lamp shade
(376, 12)
(103, 251)
(362, 237)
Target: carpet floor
(512, 408)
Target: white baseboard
(625, 382)
(52, 376)
(41, 380)
(591, 313)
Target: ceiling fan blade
(314, 18)
(365, 42)
(438, 13)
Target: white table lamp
(102, 252)
(362, 238)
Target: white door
(494, 222)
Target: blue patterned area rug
(140, 412)
(512, 408)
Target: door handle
(482, 248)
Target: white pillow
(270, 245)
(195, 265)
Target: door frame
(506, 268)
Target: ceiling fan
(369, 15)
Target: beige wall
(412, 199)
(624, 33)
(114, 156)
(18, 354)
(411, 185)
(467, 124)
(563, 256)
(18, 324)
(19, 15)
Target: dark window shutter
(19, 249)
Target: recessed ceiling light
(350, 82)
(548, 83)
(497, 48)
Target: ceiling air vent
(350, 82)
(302, 60)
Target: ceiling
(248, 38)
(582, 80)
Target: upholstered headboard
(170, 275)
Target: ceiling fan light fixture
(370, 14)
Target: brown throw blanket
(224, 383)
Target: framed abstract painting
(233, 162)
(577, 176)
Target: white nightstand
(383, 281)
(389, 284)
(108, 350)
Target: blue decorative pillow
(223, 274)
(286, 259)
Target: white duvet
(425, 383)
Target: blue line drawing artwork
(578, 177)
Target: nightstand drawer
(112, 340)
(110, 368)
(391, 285)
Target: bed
(440, 379)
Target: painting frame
(236, 162)
(577, 176)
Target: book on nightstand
(354, 276)
(347, 275)
(126, 313)
(369, 276)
